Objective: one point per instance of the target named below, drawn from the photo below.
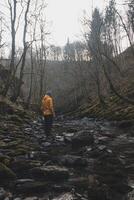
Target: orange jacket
(47, 106)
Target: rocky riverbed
(85, 159)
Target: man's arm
(52, 107)
(42, 105)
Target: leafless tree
(25, 47)
(13, 10)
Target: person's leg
(48, 124)
(43, 123)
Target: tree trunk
(18, 88)
(31, 80)
(13, 51)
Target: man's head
(49, 93)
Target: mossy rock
(13, 144)
(2, 131)
(32, 187)
(5, 159)
(51, 173)
(3, 145)
(21, 167)
(6, 173)
(15, 118)
(21, 151)
(5, 108)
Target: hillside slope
(115, 107)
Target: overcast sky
(64, 18)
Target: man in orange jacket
(47, 108)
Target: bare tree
(2, 44)
(13, 10)
(42, 61)
(55, 52)
(25, 47)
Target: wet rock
(28, 129)
(73, 161)
(68, 134)
(43, 156)
(102, 147)
(111, 172)
(9, 196)
(15, 118)
(103, 139)
(108, 134)
(6, 108)
(61, 188)
(71, 130)
(60, 138)
(80, 182)
(67, 139)
(4, 159)
(85, 121)
(6, 173)
(31, 198)
(67, 196)
(52, 173)
(125, 124)
(2, 193)
(82, 138)
(3, 144)
(21, 181)
(21, 167)
(46, 144)
(31, 187)
(121, 188)
(98, 192)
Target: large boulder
(21, 167)
(66, 196)
(98, 192)
(5, 108)
(73, 161)
(82, 138)
(51, 173)
(30, 187)
(125, 124)
(79, 182)
(6, 173)
(2, 193)
(111, 172)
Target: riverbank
(85, 159)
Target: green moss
(115, 109)
(5, 159)
(6, 173)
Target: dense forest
(90, 153)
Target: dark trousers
(48, 122)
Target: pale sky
(64, 18)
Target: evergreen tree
(94, 40)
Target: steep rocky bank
(113, 109)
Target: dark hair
(49, 93)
